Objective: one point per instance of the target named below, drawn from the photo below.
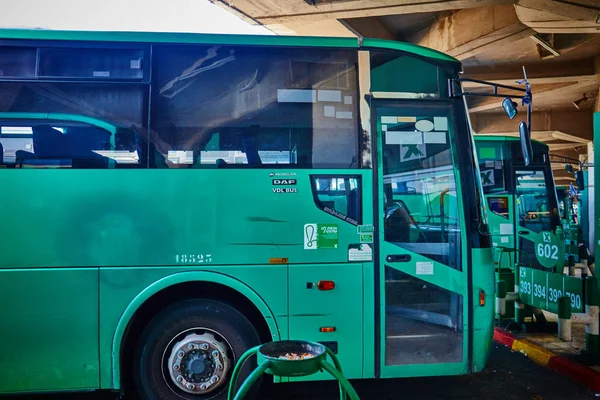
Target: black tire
(214, 315)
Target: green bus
(192, 196)
(569, 210)
(521, 200)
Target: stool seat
(290, 358)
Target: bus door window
(536, 211)
(532, 201)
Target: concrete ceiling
(558, 41)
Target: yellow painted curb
(536, 353)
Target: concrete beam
(269, 12)
(557, 16)
(546, 126)
(368, 27)
(463, 34)
(315, 28)
(537, 70)
(562, 80)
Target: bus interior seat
(398, 225)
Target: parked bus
(521, 199)
(171, 200)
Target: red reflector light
(327, 329)
(326, 285)
(481, 298)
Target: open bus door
(424, 290)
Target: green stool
(269, 361)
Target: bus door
(535, 212)
(501, 222)
(423, 291)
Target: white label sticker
(135, 64)
(347, 99)
(504, 239)
(363, 253)
(329, 95)
(435, 137)
(498, 164)
(409, 152)
(506, 229)
(424, 268)
(389, 120)
(404, 138)
(440, 123)
(424, 125)
(296, 96)
(310, 236)
(384, 128)
(343, 114)
(329, 111)
(489, 164)
(487, 177)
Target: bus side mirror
(510, 107)
(579, 180)
(525, 142)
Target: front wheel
(189, 350)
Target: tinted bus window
(69, 125)
(240, 107)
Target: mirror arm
(454, 93)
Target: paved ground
(509, 376)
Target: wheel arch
(170, 281)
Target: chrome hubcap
(198, 364)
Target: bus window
(499, 206)
(339, 196)
(38, 142)
(242, 107)
(72, 125)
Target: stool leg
(247, 385)
(334, 358)
(343, 382)
(338, 366)
(236, 370)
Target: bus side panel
(483, 316)
(312, 309)
(49, 335)
(120, 286)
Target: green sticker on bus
(320, 236)
(365, 228)
(366, 238)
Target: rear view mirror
(510, 107)
(525, 142)
(579, 180)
